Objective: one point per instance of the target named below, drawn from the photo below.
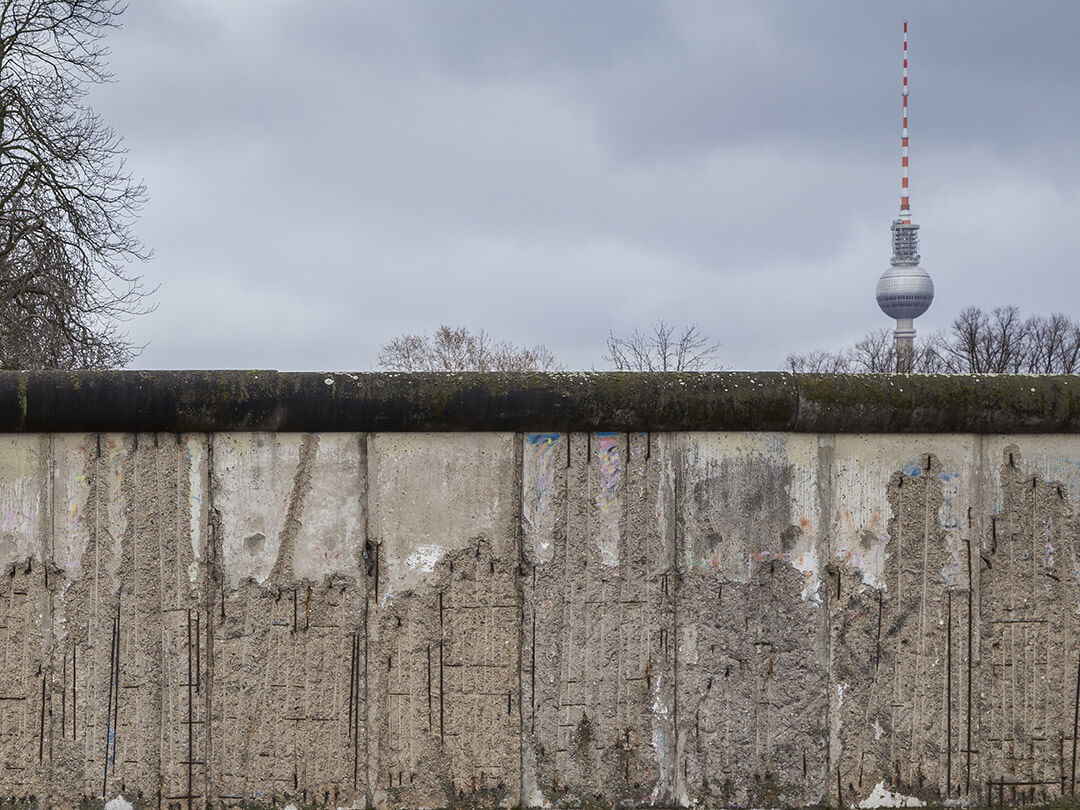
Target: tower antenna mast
(905, 196)
(905, 291)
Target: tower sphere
(905, 291)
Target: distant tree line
(661, 348)
(1000, 341)
(457, 349)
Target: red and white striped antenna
(905, 198)
(905, 291)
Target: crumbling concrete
(753, 672)
(714, 618)
(286, 608)
(443, 628)
(598, 655)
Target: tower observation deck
(905, 291)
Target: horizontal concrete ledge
(189, 401)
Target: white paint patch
(119, 803)
(196, 495)
(540, 453)
(536, 799)
(872, 565)
(253, 479)
(879, 732)
(881, 797)
(609, 498)
(689, 646)
(660, 712)
(806, 562)
(117, 448)
(71, 495)
(331, 534)
(424, 558)
(456, 491)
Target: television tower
(905, 291)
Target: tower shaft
(905, 290)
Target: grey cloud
(323, 180)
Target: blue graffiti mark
(913, 468)
(606, 434)
(542, 438)
(948, 476)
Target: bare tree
(873, 353)
(1055, 345)
(876, 352)
(663, 349)
(1000, 341)
(997, 342)
(67, 203)
(819, 361)
(458, 349)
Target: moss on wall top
(182, 401)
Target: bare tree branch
(663, 349)
(67, 203)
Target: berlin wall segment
(724, 617)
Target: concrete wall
(426, 619)
(420, 619)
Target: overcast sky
(325, 175)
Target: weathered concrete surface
(444, 713)
(752, 657)
(598, 655)
(900, 614)
(547, 619)
(287, 610)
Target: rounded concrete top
(905, 291)
(196, 401)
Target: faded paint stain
(540, 461)
(608, 500)
(196, 453)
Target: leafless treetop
(665, 348)
(1000, 341)
(458, 349)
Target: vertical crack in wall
(361, 776)
(519, 595)
(212, 580)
